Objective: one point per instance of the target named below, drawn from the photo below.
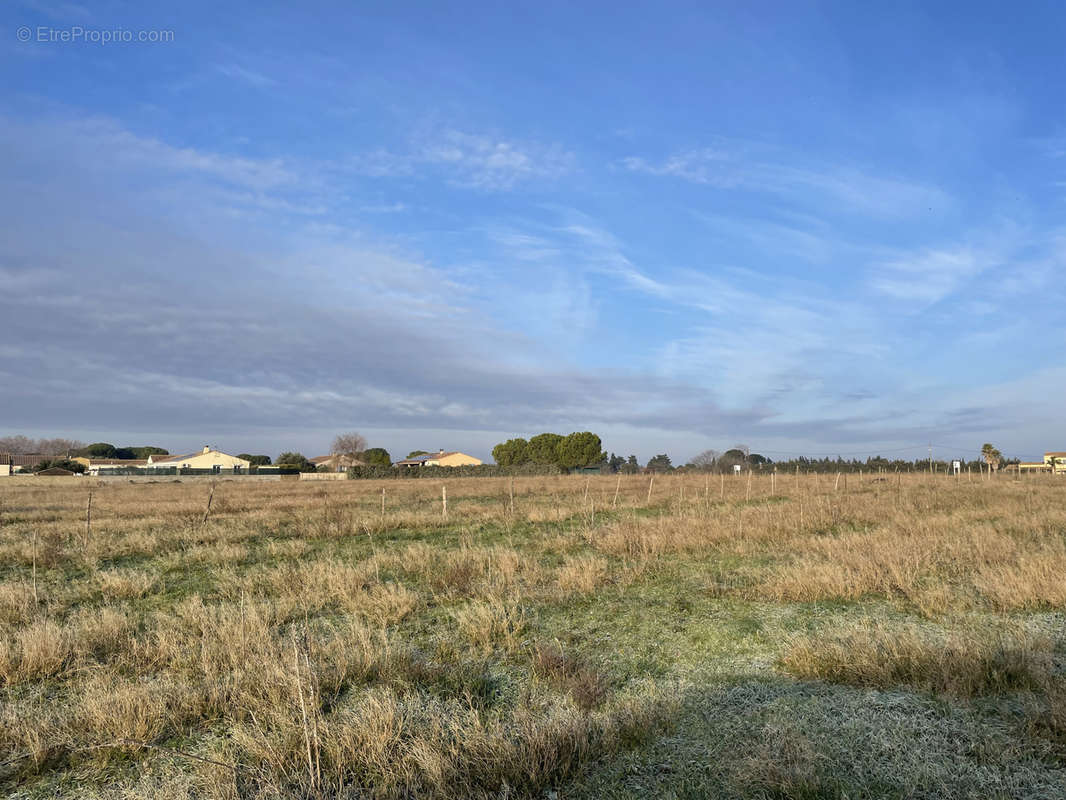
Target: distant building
(1053, 462)
(54, 472)
(452, 458)
(206, 459)
(337, 462)
(102, 466)
(10, 463)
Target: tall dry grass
(962, 661)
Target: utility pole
(930, 458)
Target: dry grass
(313, 646)
(581, 575)
(490, 624)
(585, 684)
(963, 662)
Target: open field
(814, 637)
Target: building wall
(458, 460)
(1060, 461)
(5, 470)
(209, 460)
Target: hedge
(479, 471)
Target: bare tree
(49, 447)
(16, 444)
(706, 459)
(58, 446)
(349, 444)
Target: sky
(813, 228)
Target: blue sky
(810, 227)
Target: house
(102, 466)
(1054, 462)
(337, 462)
(10, 463)
(206, 459)
(452, 458)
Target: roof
(24, 459)
(158, 458)
(120, 462)
(418, 459)
(54, 471)
(432, 457)
(1056, 455)
(162, 459)
(343, 458)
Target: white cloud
(256, 79)
(928, 276)
(848, 188)
(106, 145)
(478, 161)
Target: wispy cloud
(285, 314)
(117, 145)
(929, 276)
(479, 161)
(743, 168)
(249, 76)
(488, 162)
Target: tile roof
(24, 459)
(161, 459)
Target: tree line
(26, 445)
(578, 449)
(62, 452)
(712, 460)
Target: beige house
(1054, 462)
(208, 458)
(452, 458)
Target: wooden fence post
(35, 600)
(88, 517)
(207, 508)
